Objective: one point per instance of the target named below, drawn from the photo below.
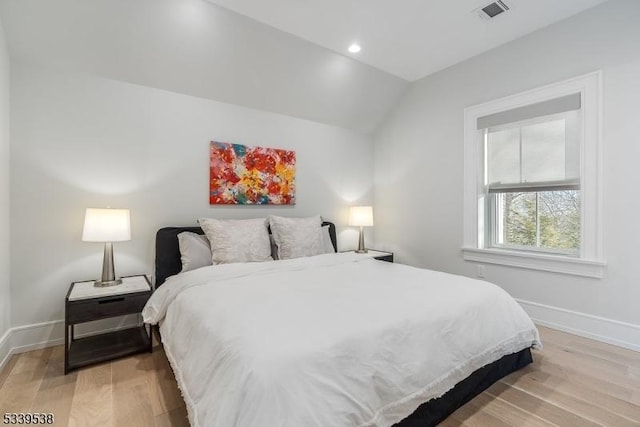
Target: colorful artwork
(241, 175)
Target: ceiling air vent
(492, 9)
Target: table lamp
(361, 216)
(108, 226)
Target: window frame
(589, 261)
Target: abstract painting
(241, 175)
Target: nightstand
(379, 255)
(86, 303)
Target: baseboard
(39, 335)
(47, 334)
(5, 348)
(597, 328)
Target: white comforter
(333, 340)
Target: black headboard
(168, 252)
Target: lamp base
(101, 284)
(361, 249)
(108, 274)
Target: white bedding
(331, 340)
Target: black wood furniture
(379, 255)
(86, 303)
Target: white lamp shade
(106, 225)
(361, 216)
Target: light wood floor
(572, 382)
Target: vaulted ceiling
(283, 56)
(407, 38)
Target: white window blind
(540, 151)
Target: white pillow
(297, 237)
(195, 251)
(237, 240)
(326, 240)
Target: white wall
(5, 281)
(419, 165)
(80, 141)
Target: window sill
(536, 261)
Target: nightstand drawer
(111, 306)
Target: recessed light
(354, 48)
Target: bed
(331, 340)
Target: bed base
(436, 410)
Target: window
(532, 179)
